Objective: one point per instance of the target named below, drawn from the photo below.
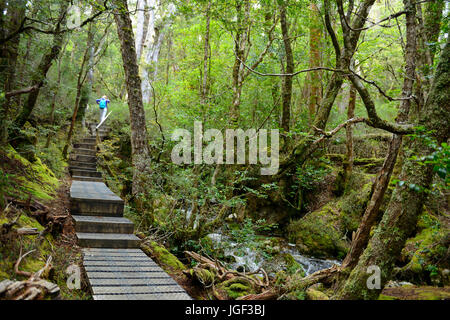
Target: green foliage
(439, 158)
(309, 175)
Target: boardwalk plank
(124, 272)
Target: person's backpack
(102, 104)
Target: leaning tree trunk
(45, 64)
(380, 186)
(406, 204)
(139, 139)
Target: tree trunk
(382, 181)
(45, 64)
(428, 27)
(206, 49)
(315, 33)
(155, 37)
(55, 94)
(406, 204)
(303, 148)
(140, 27)
(432, 24)
(348, 162)
(241, 42)
(80, 81)
(287, 80)
(8, 60)
(139, 139)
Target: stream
(248, 259)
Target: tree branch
(21, 91)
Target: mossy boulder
(314, 294)
(352, 206)
(318, 233)
(326, 232)
(235, 288)
(166, 259)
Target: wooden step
(88, 198)
(99, 224)
(153, 296)
(90, 140)
(146, 289)
(82, 151)
(86, 173)
(90, 146)
(128, 274)
(83, 158)
(84, 165)
(108, 240)
(89, 207)
(92, 179)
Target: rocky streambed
(271, 254)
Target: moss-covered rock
(326, 232)
(313, 294)
(166, 259)
(236, 287)
(318, 233)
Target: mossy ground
(22, 178)
(415, 293)
(62, 254)
(30, 181)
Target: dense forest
(347, 102)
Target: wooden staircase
(115, 267)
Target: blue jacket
(107, 101)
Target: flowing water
(309, 264)
(250, 260)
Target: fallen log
(337, 157)
(27, 289)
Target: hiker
(103, 104)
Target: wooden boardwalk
(115, 266)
